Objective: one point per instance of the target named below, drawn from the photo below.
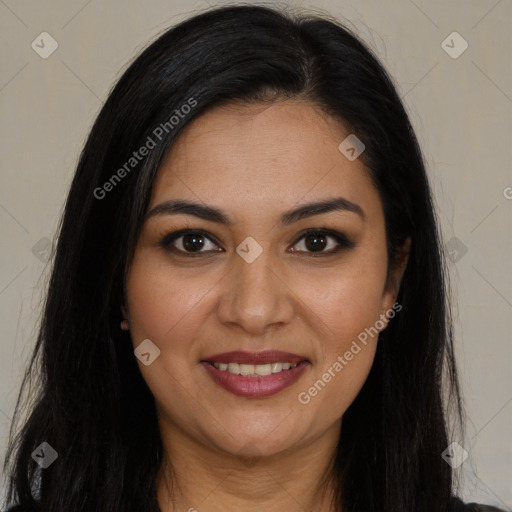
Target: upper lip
(263, 357)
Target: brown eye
(189, 242)
(322, 242)
(316, 243)
(193, 242)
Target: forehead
(256, 153)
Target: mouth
(255, 374)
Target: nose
(255, 297)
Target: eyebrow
(181, 206)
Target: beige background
(461, 109)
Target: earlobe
(125, 326)
(395, 277)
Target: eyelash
(342, 240)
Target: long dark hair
(93, 406)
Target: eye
(192, 242)
(315, 241)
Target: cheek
(346, 300)
(346, 317)
(344, 313)
(161, 302)
(347, 346)
(167, 309)
(332, 389)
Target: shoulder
(459, 506)
(475, 507)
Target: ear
(125, 324)
(395, 276)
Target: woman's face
(252, 283)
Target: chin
(250, 445)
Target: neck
(195, 477)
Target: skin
(256, 162)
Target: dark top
(457, 506)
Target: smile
(255, 374)
(254, 370)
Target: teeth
(276, 367)
(263, 369)
(254, 370)
(246, 369)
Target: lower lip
(255, 386)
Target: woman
(248, 306)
